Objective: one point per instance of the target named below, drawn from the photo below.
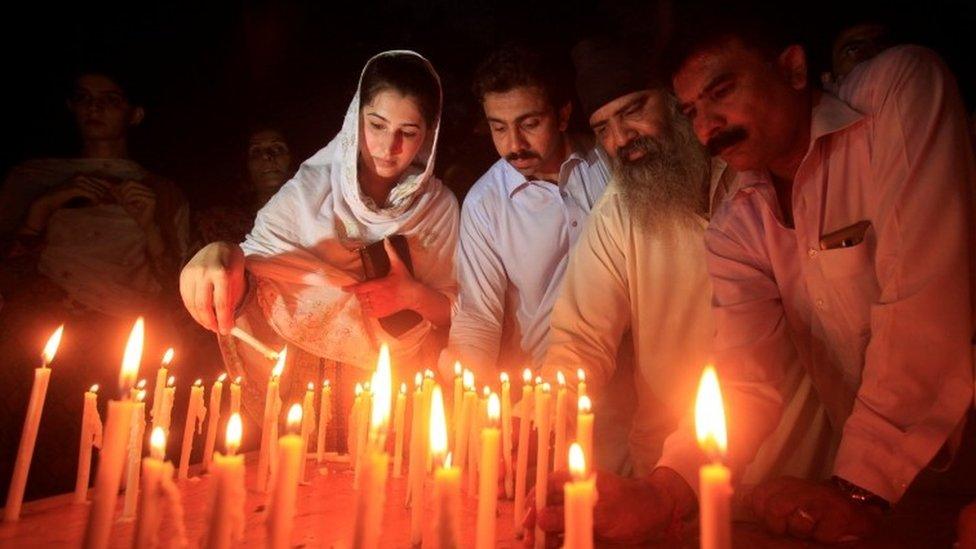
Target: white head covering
(302, 249)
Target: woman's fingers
(204, 305)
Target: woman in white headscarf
(298, 277)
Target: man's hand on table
(627, 511)
(812, 510)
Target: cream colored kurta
(654, 289)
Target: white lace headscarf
(302, 249)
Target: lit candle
(415, 481)
(584, 428)
(522, 459)
(362, 433)
(308, 425)
(157, 475)
(372, 491)
(352, 432)
(488, 475)
(269, 431)
(28, 437)
(462, 442)
(325, 414)
(474, 440)
(281, 508)
(447, 480)
(458, 397)
(715, 486)
(136, 432)
(398, 426)
(91, 435)
(196, 412)
(506, 420)
(165, 412)
(560, 455)
(112, 457)
(581, 387)
(579, 497)
(161, 376)
(428, 394)
(216, 393)
(235, 396)
(543, 420)
(226, 524)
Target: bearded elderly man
(638, 276)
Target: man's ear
(792, 63)
(138, 113)
(564, 112)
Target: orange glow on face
(51, 348)
(710, 415)
(132, 356)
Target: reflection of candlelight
(715, 487)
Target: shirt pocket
(852, 287)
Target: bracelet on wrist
(859, 495)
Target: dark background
(208, 71)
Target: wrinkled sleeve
(917, 380)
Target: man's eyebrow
(716, 82)
(518, 119)
(637, 101)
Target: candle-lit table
(325, 514)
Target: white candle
(352, 431)
(584, 428)
(398, 427)
(715, 486)
(91, 435)
(579, 497)
(372, 492)
(134, 464)
(522, 460)
(226, 525)
(488, 477)
(428, 393)
(155, 472)
(458, 398)
(308, 424)
(561, 453)
(542, 421)
(161, 376)
(362, 433)
(447, 480)
(415, 481)
(325, 415)
(165, 412)
(474, 440)
(281, 508)
(216, 393)
(28, 437)
(235, 396)
(468, 406)
(196, 412)
(507, 435)
(112, 458)
(272, 403)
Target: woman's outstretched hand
(212, 285)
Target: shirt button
(564, 194)
(574, 223)
(812, 252)
(820, 304)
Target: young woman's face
(391, 133)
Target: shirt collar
(515, 181)
(831, 115)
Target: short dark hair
(520, 65)
(123, 77)
(407, 74)
(761, 30)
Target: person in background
(854, 45)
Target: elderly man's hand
(812, 510)
(627, 511)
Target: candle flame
(222, 377)
(546, 387)
(359, 389)
(403, 388)
(94, 388)
(237, 380)
(311, 386)
(494, 408)
(560, 378)
(326, 384)
(171, 381)
(235, 430)
(382, 390)
(429, 374)
(366, 385)
(585, 405)
(468, 380)
(486, 391)
(141, 395)
(280, 364)
(438, 425)
(581, 375)
(577, 462)
(710, 415)
(141, 384)
(198, 383)
(447, 460)
(132, 357)
(47, 355)
(538, 380)
(457, 368)
(167, 357)
(157, 443)
(294, 421)
(418, 379)
(527, 376)
(504, 377)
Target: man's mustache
(644, 144)
(725, 139)
(522, 155)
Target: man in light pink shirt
(848, 238)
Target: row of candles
(482, 437)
